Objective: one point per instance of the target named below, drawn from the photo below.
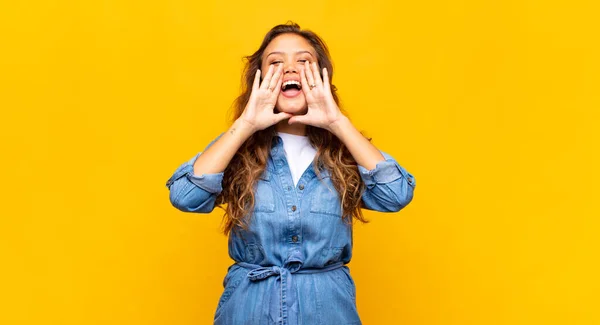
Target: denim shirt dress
(290, 264)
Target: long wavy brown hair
(250, 160)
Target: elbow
(179, 201)
(192, 201)
(402, 198)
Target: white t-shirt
(298, 152)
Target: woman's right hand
(259, 112)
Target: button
(289, 188)
(293, 208)
(301, 187)
(295, 238)
(410, 180)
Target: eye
(275, 62)
(302, 61)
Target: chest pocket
(325, 199)
(264, 199)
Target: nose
(289, 68)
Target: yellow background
(492, 105)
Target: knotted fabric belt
(258, 273)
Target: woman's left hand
(322, 112)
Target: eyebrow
(299, 52)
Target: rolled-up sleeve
(194, 193)
(389, 187)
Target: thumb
(281, 116)
(298, 119)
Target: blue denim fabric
(290, 264)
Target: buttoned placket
(292, 196)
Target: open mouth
(291, 88)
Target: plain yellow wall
(492, 105)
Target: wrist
(338, 126)
(242, 127)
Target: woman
(292, 173)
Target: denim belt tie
(258, 273)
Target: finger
(256, 82)
(277, 87)
(326, 84)
(304, 82)
(281, 116)
(276, 78)
(309, 74)
(267, 78)
(299, 119)
(316, 75)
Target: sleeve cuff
(211, 183)
(385, 171)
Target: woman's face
(291, 51)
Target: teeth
(291, 82)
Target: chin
(298, 108)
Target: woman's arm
(189, 192)
(196, 184)
(389, 186)
(363, 151)
(218, 155)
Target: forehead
(288, 43)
